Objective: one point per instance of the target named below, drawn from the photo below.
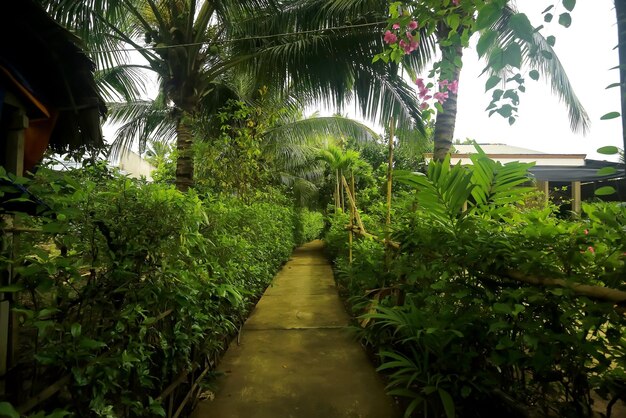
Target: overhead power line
(250, 38)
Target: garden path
(296, 357)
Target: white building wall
(133, 165)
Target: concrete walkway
(296, 359)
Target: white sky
(586, 52)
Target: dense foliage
(452, 313)
(128, 284)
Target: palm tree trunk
(184, 160)
(446, 120)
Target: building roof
(548, 167)
(507, 153)
(45, 64)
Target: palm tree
(537, 54)
(190, 45)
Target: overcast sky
(586, 50)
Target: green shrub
(129, 284)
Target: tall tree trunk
(184, 160)
(446, 120)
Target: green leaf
(492, 82)
(75, 330)
(521, 27)
(496, 59)
(565, 20)
(548, 17)
(12, 288)
(551, 40)
(90, 344)
(513, 55)
(606, 171)
(569, 4)
(448, 403)
(485, 42)
(453, 21)
(610, 86)
(487, 16)
(7, 410)
(610, 115)
(534, 74)
(608, 150)
(605, 191)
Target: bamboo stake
(389, 177)
(353, 205)
(350, 233)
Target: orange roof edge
(26, 92)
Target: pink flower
(413, 25)
(403, 44)
(443, 83)
(586, 231)
(396, 26)
(441, 96)
(454, 86)
(591, 250)
(455, 2)
(390, 38)
(413, 46)
(424, 106)
(420, 83)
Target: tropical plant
(508, 41)
(195, 48)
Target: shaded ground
(296, 358)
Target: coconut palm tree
(190, 45)
(536, 54)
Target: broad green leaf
(548, 17)
(610, 115)
(521, 27)
(448, 403)
(75, 330)
(534, 74)
(496, 59)
(485, 42)
(7, 410)
(12, 288)
(513, 55)
(606, 171)
(492, 82)
(608, 150)
(605, 191)
(565, 20)
(487, 16)
(569, 4)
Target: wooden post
(544, 186)
(576, 197)
(350, 234)
(14, 163)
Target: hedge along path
(297, 357)
(601, 293)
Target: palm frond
(539, 55)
